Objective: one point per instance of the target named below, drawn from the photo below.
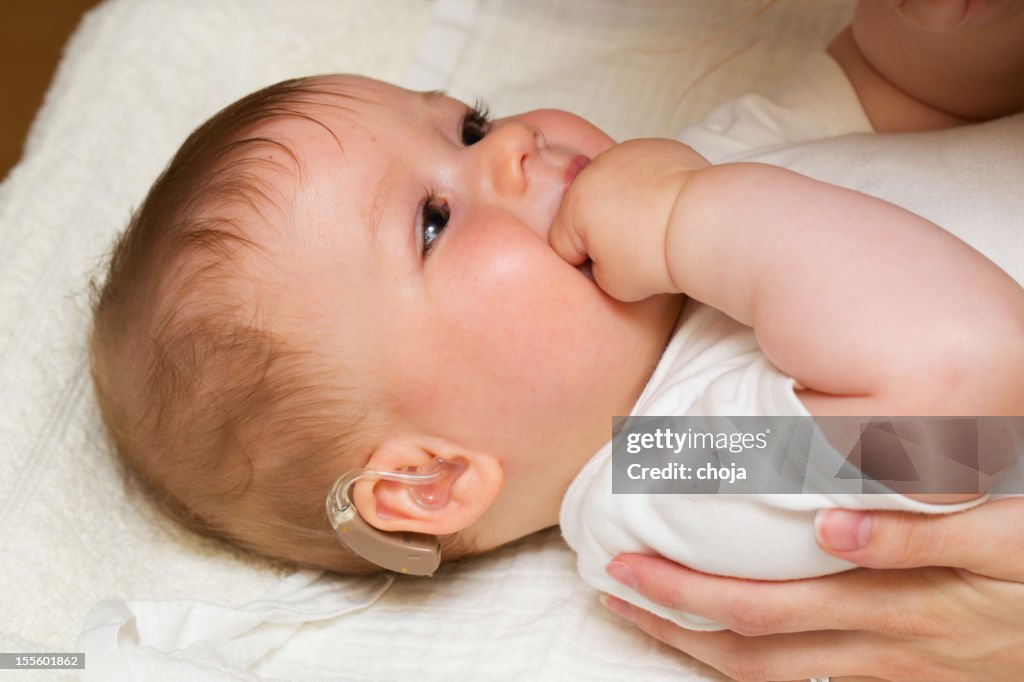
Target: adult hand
(944, 603)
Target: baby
(334, 273)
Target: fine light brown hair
(232, 428)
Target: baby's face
(416, 253)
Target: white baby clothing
(713, 365)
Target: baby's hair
(233, 429)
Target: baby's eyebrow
(431, 97)
(377, 203)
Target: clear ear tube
(399, 551)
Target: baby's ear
(470, 483)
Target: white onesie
(714, 366)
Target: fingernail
(616, 606)
(841, 530)
(622, 572)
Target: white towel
(171, 640)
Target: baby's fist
(617, 212)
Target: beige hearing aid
(399, 551)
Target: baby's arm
(873, 309)
(928, 64)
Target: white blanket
(88, 564)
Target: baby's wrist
(682, 226)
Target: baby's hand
(946, 16)
(617, 213)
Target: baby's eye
(433, 219)
(475, 123)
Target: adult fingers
(987, 540)
(852, 600)
(843, 656)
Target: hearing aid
(399, 551)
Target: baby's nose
(509, 147)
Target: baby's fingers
(565, 237)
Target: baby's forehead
(346, 93)
(312, 157)
(320, 155)
(333, 109)
(287, 142)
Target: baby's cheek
(515, 305)
(499, 259)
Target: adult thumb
(987, 539)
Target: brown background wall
(32, 33)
